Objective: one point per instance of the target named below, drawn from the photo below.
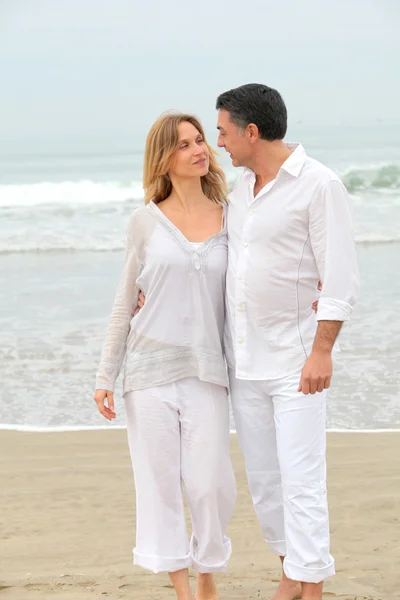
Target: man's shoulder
(317, 171)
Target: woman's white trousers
(179, 433)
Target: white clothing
(181, 431)
(295, 232)
(282, 436)
(184, 341)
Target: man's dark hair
(258, 104)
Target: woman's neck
(186, 193)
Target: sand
(67, 521)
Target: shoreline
(68, 521)
(78, 428)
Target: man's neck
(268, 160)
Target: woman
(175, 383)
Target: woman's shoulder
(141, 216)
(141, 223)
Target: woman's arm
(125, 300)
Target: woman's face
(191, 158)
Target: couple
(231, 282)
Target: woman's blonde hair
(161, 144)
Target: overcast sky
(107, 68)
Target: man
(289, 227)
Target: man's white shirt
(296, 231)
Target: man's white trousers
(283, 438)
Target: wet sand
(67, 521)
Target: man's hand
(317, 372)
(107, 411)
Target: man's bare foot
(206, 588)
(287, 590)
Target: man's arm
(317, 372)
(332, 241)
(326, 335)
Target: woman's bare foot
(206, 588)
(180, 581)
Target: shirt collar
(295, 162)
(292, 165)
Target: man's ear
(252, 131)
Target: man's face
(233, 140)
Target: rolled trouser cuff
(159, 564)
(308, 574)
(212, 567)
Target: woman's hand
(107, 411)
(314, 305)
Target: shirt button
(251, 212)
(240, 341)
(245, 244)
(240, 308)
(239, 278)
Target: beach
(68, 514)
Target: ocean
(63, 213)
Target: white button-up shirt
(296, 231)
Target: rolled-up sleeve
(332, 241)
